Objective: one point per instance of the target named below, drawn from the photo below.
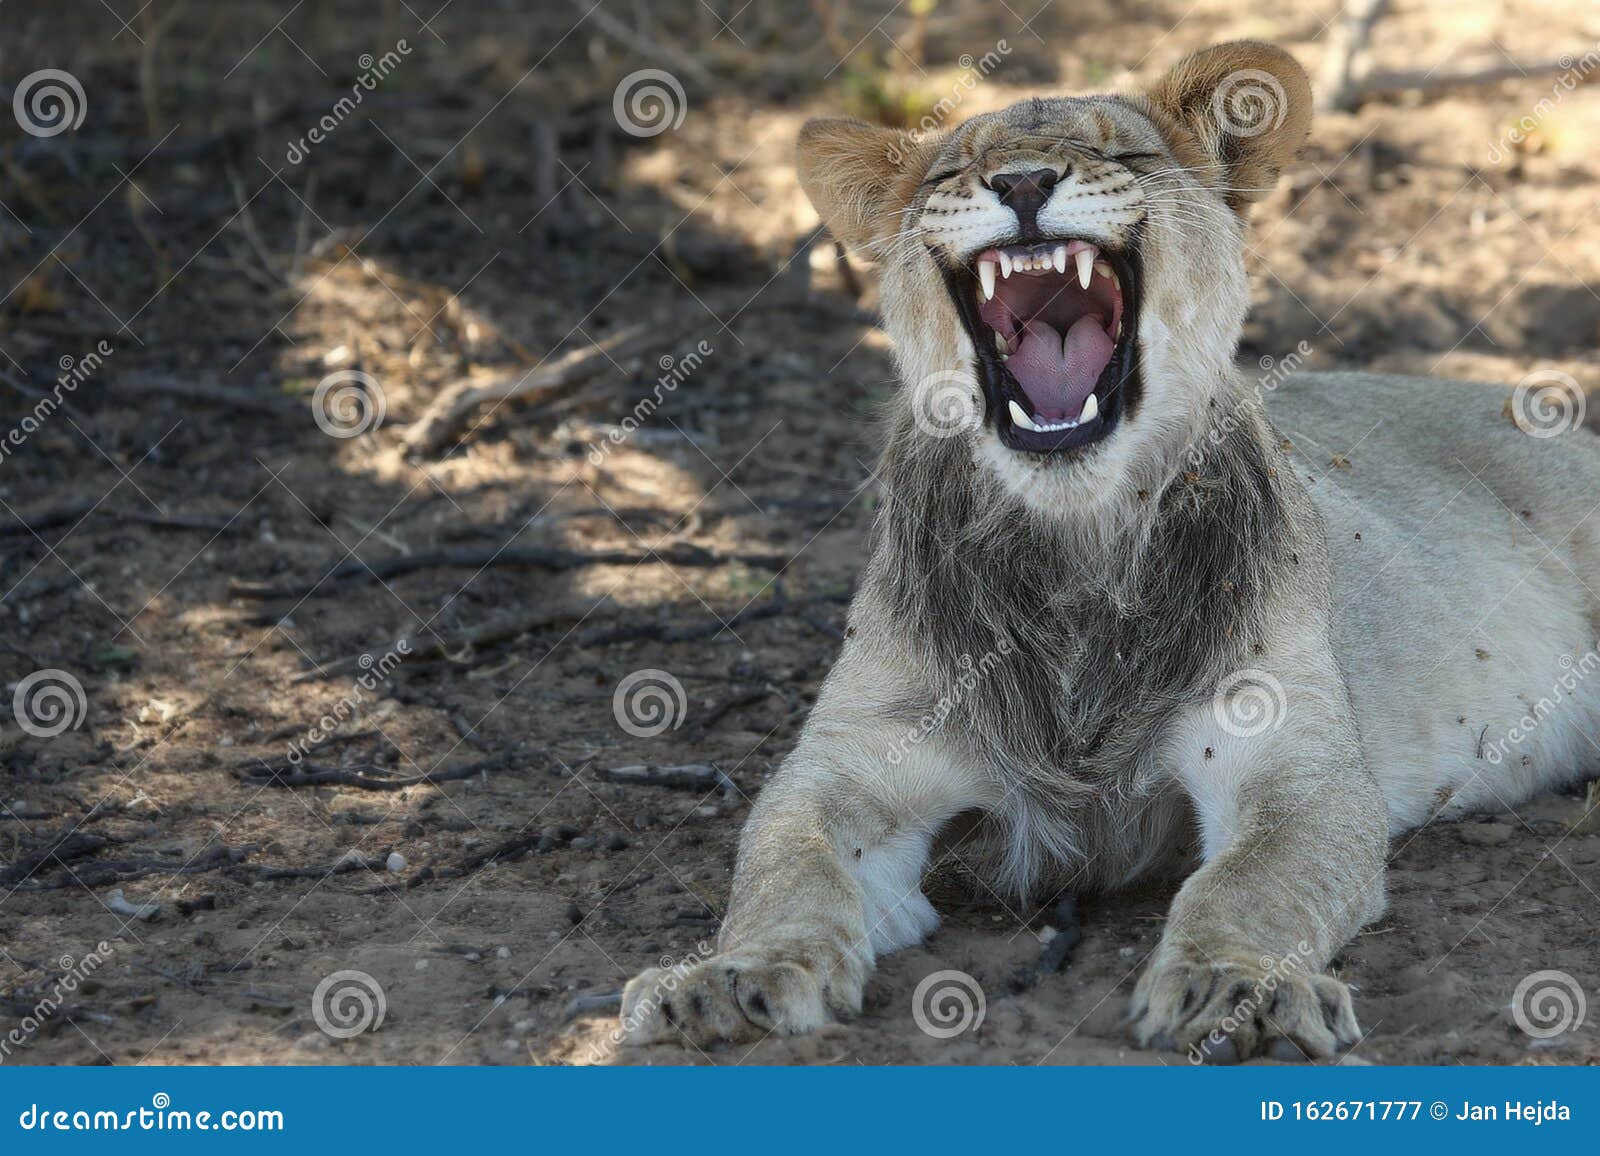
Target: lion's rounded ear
(860, 176)
(1248, 107)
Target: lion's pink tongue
(1057, 374)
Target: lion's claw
(738, 997)
(1223, 1013)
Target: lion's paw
(1222, 1013)
(738, 997)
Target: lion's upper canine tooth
(1059, 258)
(986, 279)
(1091, 410)
(1005, 264)
(1019, 416)
(1085, 260)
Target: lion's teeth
(1000, 343)
(1059, 258)
(1021, 418)
(1085, 260)
(986, 279)
(1102, 268)
(1005, 264)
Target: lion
(1130, 614)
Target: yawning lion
(1131, 611)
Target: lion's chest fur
(1056, 669)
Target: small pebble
(503, 952)
(616, 843)
(396, 862)
(583, 843)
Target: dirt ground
(186, 543)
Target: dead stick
(667, 632)
(506, 626)
(40, 395)
(449, 411)
(358, 573)
(235, 399)
(50, 519)
(359, 776)
(652, 47)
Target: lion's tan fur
(1122, 605)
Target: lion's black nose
(1024, 193)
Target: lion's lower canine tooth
(1019, 416)
(986, 279)
(1091, 410)
(1000, 343)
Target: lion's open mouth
(1053, 325)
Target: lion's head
(1064, 279)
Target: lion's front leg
(829, 876)
(1295, 835)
